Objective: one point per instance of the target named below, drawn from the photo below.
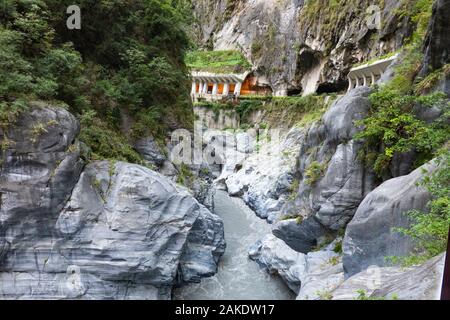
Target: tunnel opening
(251, 86)
(294, 92)
(332, 87)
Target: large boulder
(274, 255)
(370, 237)
(340, 119)
(308, 275)
(126, 233)
(302, 237)
(205, 245)
(108, 231)
(422, 282)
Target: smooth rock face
(205, 245)
(340, 119)
(302, 237)
(125, 226)
(307, 275)
(41, 165)
(369, 237)
(328, 203)
(423, 282)
(273, 254)
(110, 231)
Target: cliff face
(107, 230)
(297, 46)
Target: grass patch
(375, 59)
(185, 176)
(324, 295)
(334, 261)
(362, 295)
(226, 61)
(314, 172)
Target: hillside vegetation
(122, 74)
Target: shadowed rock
(369, 237)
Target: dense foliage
(123, 73)
(394, 127)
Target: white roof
(377, 67)
(218, 77)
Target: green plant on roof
(226, 61)
(376, 59)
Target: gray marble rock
(437, 42)
(126, 233)
(369, 237)
(275, 256)
(39, 170)
(302, 237)
(108, 231)
(150, 151)
(422, 282)
(340, 119)
(264, 177)
(307, 62)
(205, 245)
(306, 274)
(328, 202)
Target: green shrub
(430, 81)
(393, 127)
(246, 107)
(185, 175)
(106, 142)
(314, 172)
(338, 247)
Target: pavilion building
(216, 86)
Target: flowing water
(238, 277)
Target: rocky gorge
(292, 198)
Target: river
(238, 277)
